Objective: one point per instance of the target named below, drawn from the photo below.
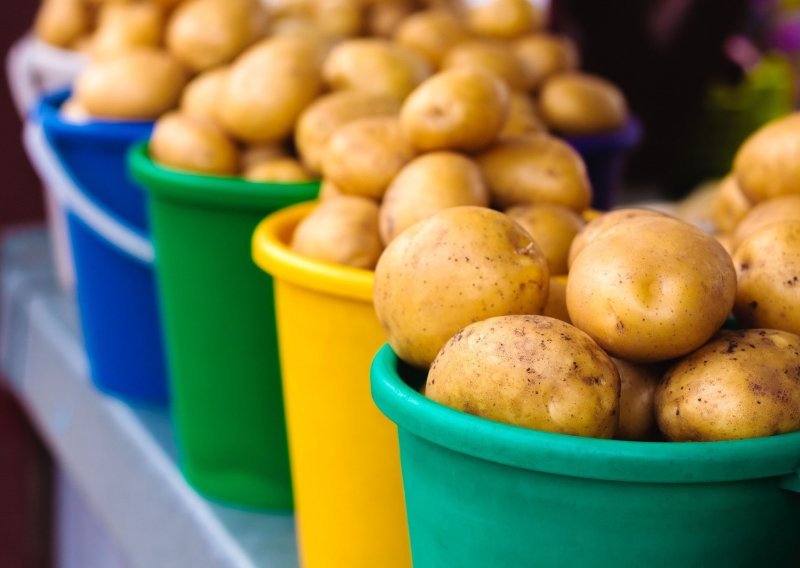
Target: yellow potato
(504, 19)
(62, 22)
(329, 113)
(768, 268)
(726, 241)
(651, 289)
(429, 184)
(536, 169)
(546, 55)
(637, 417)
(730, 205)
(339, 18)
(490, 56)
(341, 230)
(458, 109)
(578, 103)
(556, 304)
(192, 144)
(364, 155)
(431, 33)
(766, 165)
(742, 384)
(139, 84)
(122, 26)
(530, 371)
(282, 170)
(203, 34)
(257, 153)
(523, 118)
(462, 265)
(328, 189)
(383, 18)
(553, 227)
(785, 208)
(201, 96)
(268, 88)
(73, 111)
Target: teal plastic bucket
(480, 493)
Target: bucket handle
(19, 69)
(70, 197)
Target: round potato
(376, 65)
(536, 169)
(490, 56)
(462, 265)
(523, 118)
(651, 289)
(328, 189)
(201, 96)
(122, 26)
(383, 18)
(279, 170)
(339, 18)
(364, 155)
(504, 19)
(62, 22)
(785, 208)
(192, 144)
(553, 227)
(742, 384)
(266, 152)
(431, 33)
(544, 56)
(729, 206)
(140, 84)
(578, 103)
(429, 184)
(766, 165)
(637, 416)
(341, 230)
(556, 304)
(530, 371)
(768, 268)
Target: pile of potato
(641, 349)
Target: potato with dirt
(530, 371)
(742, 384)
(553, 227)
(462, 265)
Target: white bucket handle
(70, 197)
(20, 75)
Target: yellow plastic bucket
(345, 461)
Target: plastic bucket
(219, 325)
(481, 493)
(115, 287)
(345, 461)
(605, 156)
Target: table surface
(121, 456)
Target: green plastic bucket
(219, 325)
(480, 493)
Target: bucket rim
(272, 254)
(624, 138)
(221, 191)
(576, 456)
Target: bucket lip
(188, 187)
(575, 456)
(107, 131)
(621, 139)
(272, 254)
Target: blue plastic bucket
(113, 256)
(605, 156)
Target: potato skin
(552, 227)
(651, 289)
(742, 384)
(637, 417)
(504, 19)
(544, 56)
(279, 170)
(530, 371)
(201, 96)
(768, 269)
(462, 265)
(556, 304)
(193, 144)
(431, 33)
(523, 118)
(785, 208)
(729, 206)
(490, 56)
(579, 103)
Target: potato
(257, 153)
(490, 56)
(768, 269)
(206, 33)
(785, 208)
(530, 371)
(431, 33)
(429, 184)
(268, 88)
(556, 304)
(201, 96)
(742, 384)
(339, 18)
(364, 155)
(729, 206)
(523, 118)
(458, 109)
(579, 103)
(62, 22)
(462, 265)
(122, 26)
(536, 169)
(637, 417)
(598, 226)
(330, 112)
(341, 230)
(651, 289)
(73, 111)
(552, 227)
(383, 18)
(192, 144)
(376, 65)
(726, 241)
(504, 19)
(281, 170)
(766, 165)
(140, 84)
(328, 189)
(546, 55)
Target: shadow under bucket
(480, 493)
